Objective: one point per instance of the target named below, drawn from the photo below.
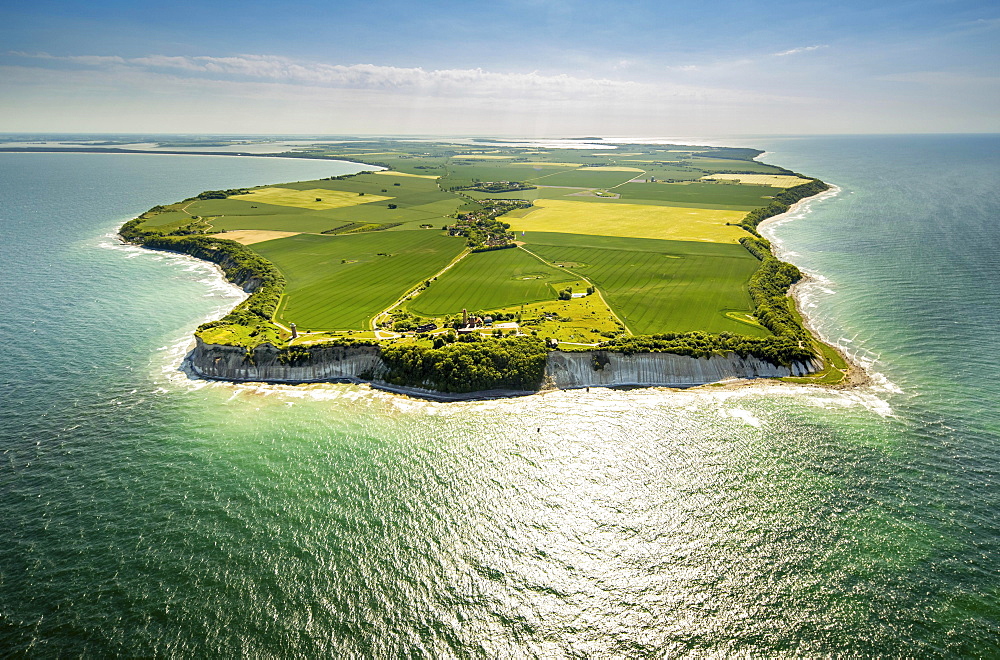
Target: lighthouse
(294, 331)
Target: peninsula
(492, 267)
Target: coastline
(735, 372)
(857, 374)
(149, 152)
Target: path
(416, 290)
(596, 290)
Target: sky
(532, 68)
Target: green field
(315, 199)
(664, 256)
(743, 198)
(293, 206)
(465, 175)
(719, 164)
(586, 178)
(661, 286)
(341, 282)
(588, 196)
(490, 280)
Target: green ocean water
(149, 513)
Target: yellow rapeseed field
(546, 164)
(776, 180)
(630, 221)
(251, 236)
(614, 168)
(307, 199)
(414, 176)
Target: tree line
(777, 350)
(515, 363)
(781, 203)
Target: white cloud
(464, 84)
(796, 51)
(363, 76)
(263, 93)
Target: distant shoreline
(115, 150)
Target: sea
(149, 513)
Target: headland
(493, 270)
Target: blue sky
(518, 67)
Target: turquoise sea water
(146, 513)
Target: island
(490, 268)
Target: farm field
(776, 180)
(232, 206)
(735, 197)
(377, 183)
(630, 220)
(251, 236)
(464, 175)
(341, 282)
(662, 286)
(587, 177)
(315, 199)
(664, 256)
(490, 281)
(587, 195)
(710, 165)
(317, 223)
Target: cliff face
(562, 370)
(606, 369)
(328, 363)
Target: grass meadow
(717, 195)
(587, 177)
(661, 254)
(341, 282)
(661, 286)
(489, 281)
(718, 164)
(314, 199)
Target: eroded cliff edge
(563, 370)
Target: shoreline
(119, 152)
(853, 375)
(857, 374)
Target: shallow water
(152, 514)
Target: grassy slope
(324, 292)
(661, 286)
